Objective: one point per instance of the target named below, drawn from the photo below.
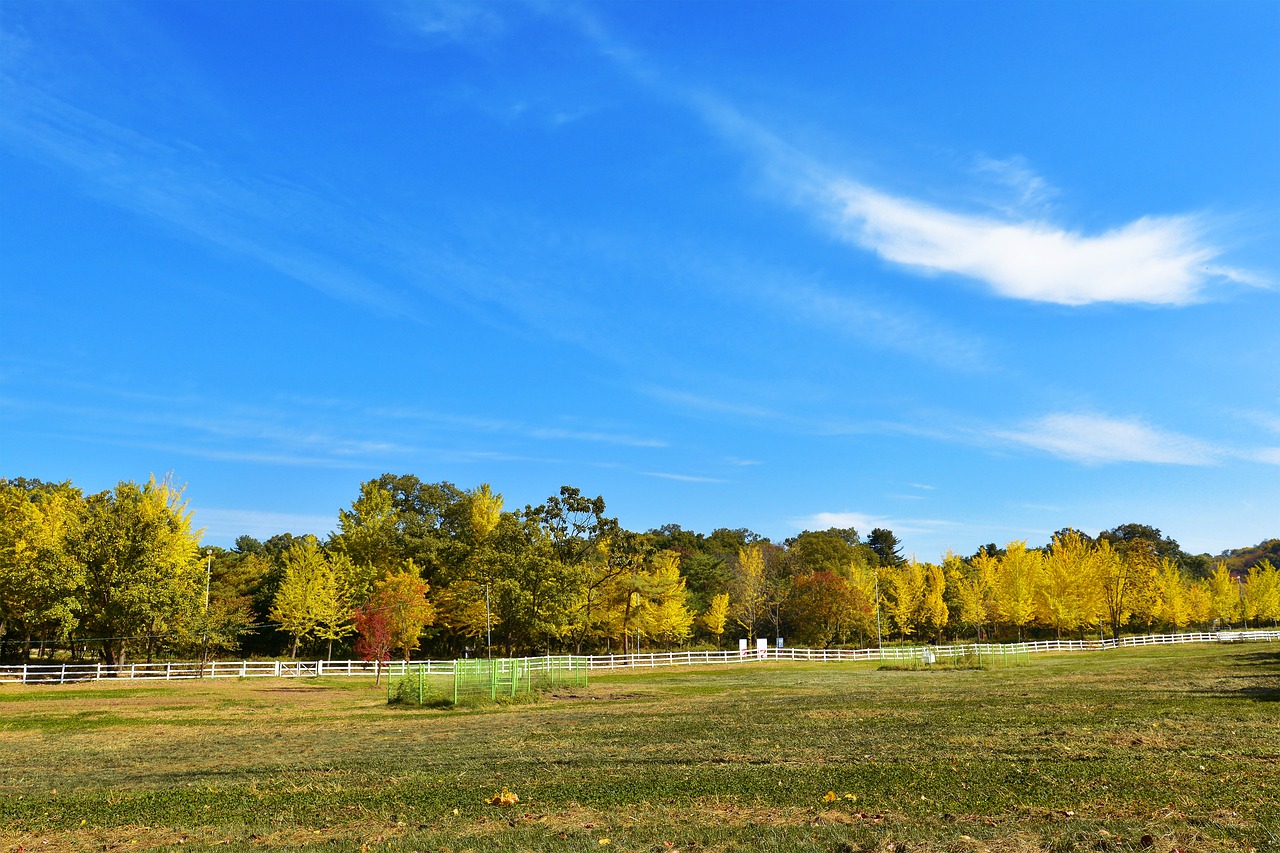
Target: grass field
(1174, 748)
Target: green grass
(1171, 748)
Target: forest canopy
(440, 571)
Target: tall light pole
(208, 576)
(204, 637)
(879, 641)
(488, 625)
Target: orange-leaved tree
(401, 598)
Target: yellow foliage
(505, 797)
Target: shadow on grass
(1263, 677)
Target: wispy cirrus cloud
(895, 328)
(452, 20)
(181, 185)
(683, 478)
(1030, 190)
(540, 432)
(226, 524)
(1097, 440)
(1155, 259)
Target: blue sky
(973, 272)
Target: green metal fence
(972, 656)
(485, 680)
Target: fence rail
(180, 671)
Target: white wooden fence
(63, 673)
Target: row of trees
(429, 566)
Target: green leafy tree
(429, 521)
(886, 547)
(818, 608)
(534, 592)
(592, 550)
(474, 569)
(829, 550)
(369, 533)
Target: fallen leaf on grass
(505, 797)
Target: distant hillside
(1240, 559)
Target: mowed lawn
(1172, 748)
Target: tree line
(444, 571)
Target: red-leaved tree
(373, 636)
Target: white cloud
(1269, 455)
(1162, 260)
(683, 478)
(227, 524)
(453, 20)
(709, 404)
(1158, 260)
(861, 522)
(1029, 189)
(903, 528)
(603, 437)
(889, 327)
(1098, 440)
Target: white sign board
(762, 648)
